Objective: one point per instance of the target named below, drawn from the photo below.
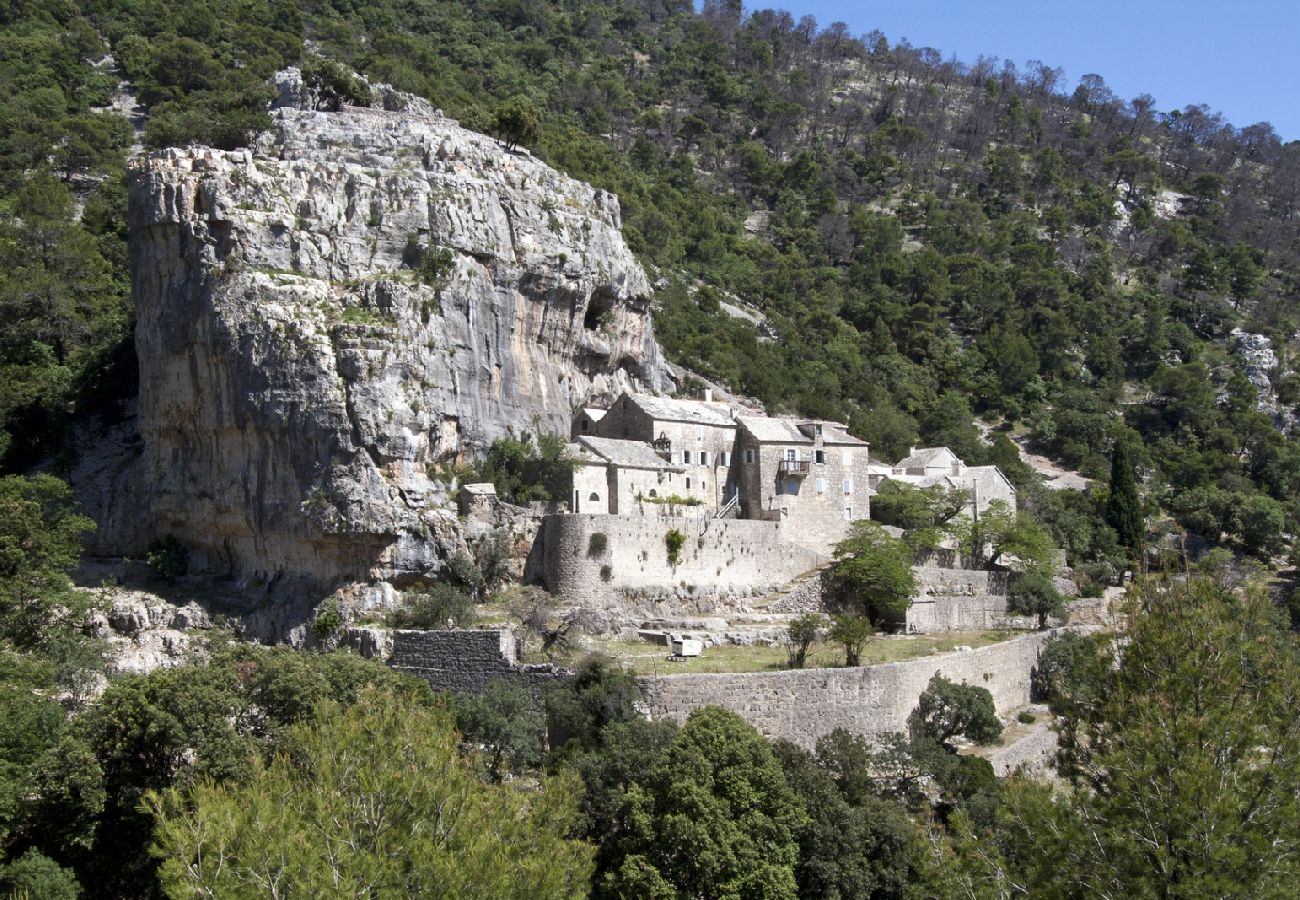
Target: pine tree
(1124, 510)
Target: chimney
(911, 451)
(708, 395)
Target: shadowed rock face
(363, 295)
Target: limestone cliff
(363, 295)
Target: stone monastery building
(657, 456)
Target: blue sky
(1237, 56)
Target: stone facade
(720, 556)
(466, 660)
(810, 475)
(804, 705)
(697, 437)
(940, 466)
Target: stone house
(622, 478)
(811, 474)
(698, 436)
(939, 465)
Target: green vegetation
(947, 710)
(873, 573)
(1031, 594)
(437, 606)
(297, 823)
(674, 540)
(523, 471)
(852, 633)
(1218, 785)
(801, 634)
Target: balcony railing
(798, 467)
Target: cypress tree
(1124, 510)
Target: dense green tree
(947, 709)
(345, 808)
(716, 817)
(506, 723)
(1181, 759)
(1124, 508)
(1030, 594)
(873, 572)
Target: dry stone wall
(803, 705)
(466, 660)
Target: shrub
(327, 622)
(802, 633)
(606, 572)
(465, 572)
(674, 540)
(1025, 717)
(1064, 668)
(168, 558)
(438, 606)
(597, 544)
(852, 632)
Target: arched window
(653, 492)
(594, 498)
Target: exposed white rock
(300, 378)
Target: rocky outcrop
(328, 317)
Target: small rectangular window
(819, 456)
(821, 485)
(686, 457)
(848, 514)
(724, 458)
(791, 486)
(792, 453)
(749, 456)
(704, 457)
(699, 433)
(848, 485)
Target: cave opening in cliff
(600, 310)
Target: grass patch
(645, 658)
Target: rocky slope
(328, 317)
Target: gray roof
(980, 473)
(697, 412)
(626, 454)
(921, 458)
(835, 434)
(481, 487)
(766, 430)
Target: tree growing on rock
(517, 121)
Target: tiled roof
(694, 411)
(627, 454)
(775, 431)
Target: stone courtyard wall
(466, 660)
(803, 705)
(720, 556)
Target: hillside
(927, 242)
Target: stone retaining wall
(736, 557)
(803, 705)
(466, 660)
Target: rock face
(364, 296)
(1260, 363)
